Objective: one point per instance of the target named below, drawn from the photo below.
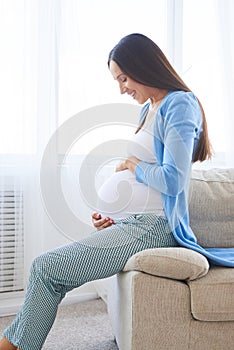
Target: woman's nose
(123, 89)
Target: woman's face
(139, 92)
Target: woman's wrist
(131, 163)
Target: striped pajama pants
(100, 255)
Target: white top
(121, 195)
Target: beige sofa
(169, 298)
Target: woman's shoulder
(180, 105)
(180, 97)
(179, 101)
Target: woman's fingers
(101, 223)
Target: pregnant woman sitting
(172, 134)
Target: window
(53, 60)
(89, 30)
(203, 64)
(17, 83)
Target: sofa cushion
(212, 296)
(175, 263)
(211, 207)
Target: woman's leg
(54, 273)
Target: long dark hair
(143, 61)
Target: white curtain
(225, 22)
(53, 64)
(208, 68)
(28, 89)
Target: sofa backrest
(211, 207)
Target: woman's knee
(41, 265)
(45, 269)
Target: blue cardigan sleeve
(177, 127)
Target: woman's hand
(130, 164)
(100, 223)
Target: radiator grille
(11, 241)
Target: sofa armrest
(175, 263)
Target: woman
(172, 134)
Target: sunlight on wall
(202, 64)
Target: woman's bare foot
(6, 345)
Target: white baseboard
(10, 305)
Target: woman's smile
(139, 92)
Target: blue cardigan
(176, 132)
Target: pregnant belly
(121, 195)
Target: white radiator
(11, 241)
